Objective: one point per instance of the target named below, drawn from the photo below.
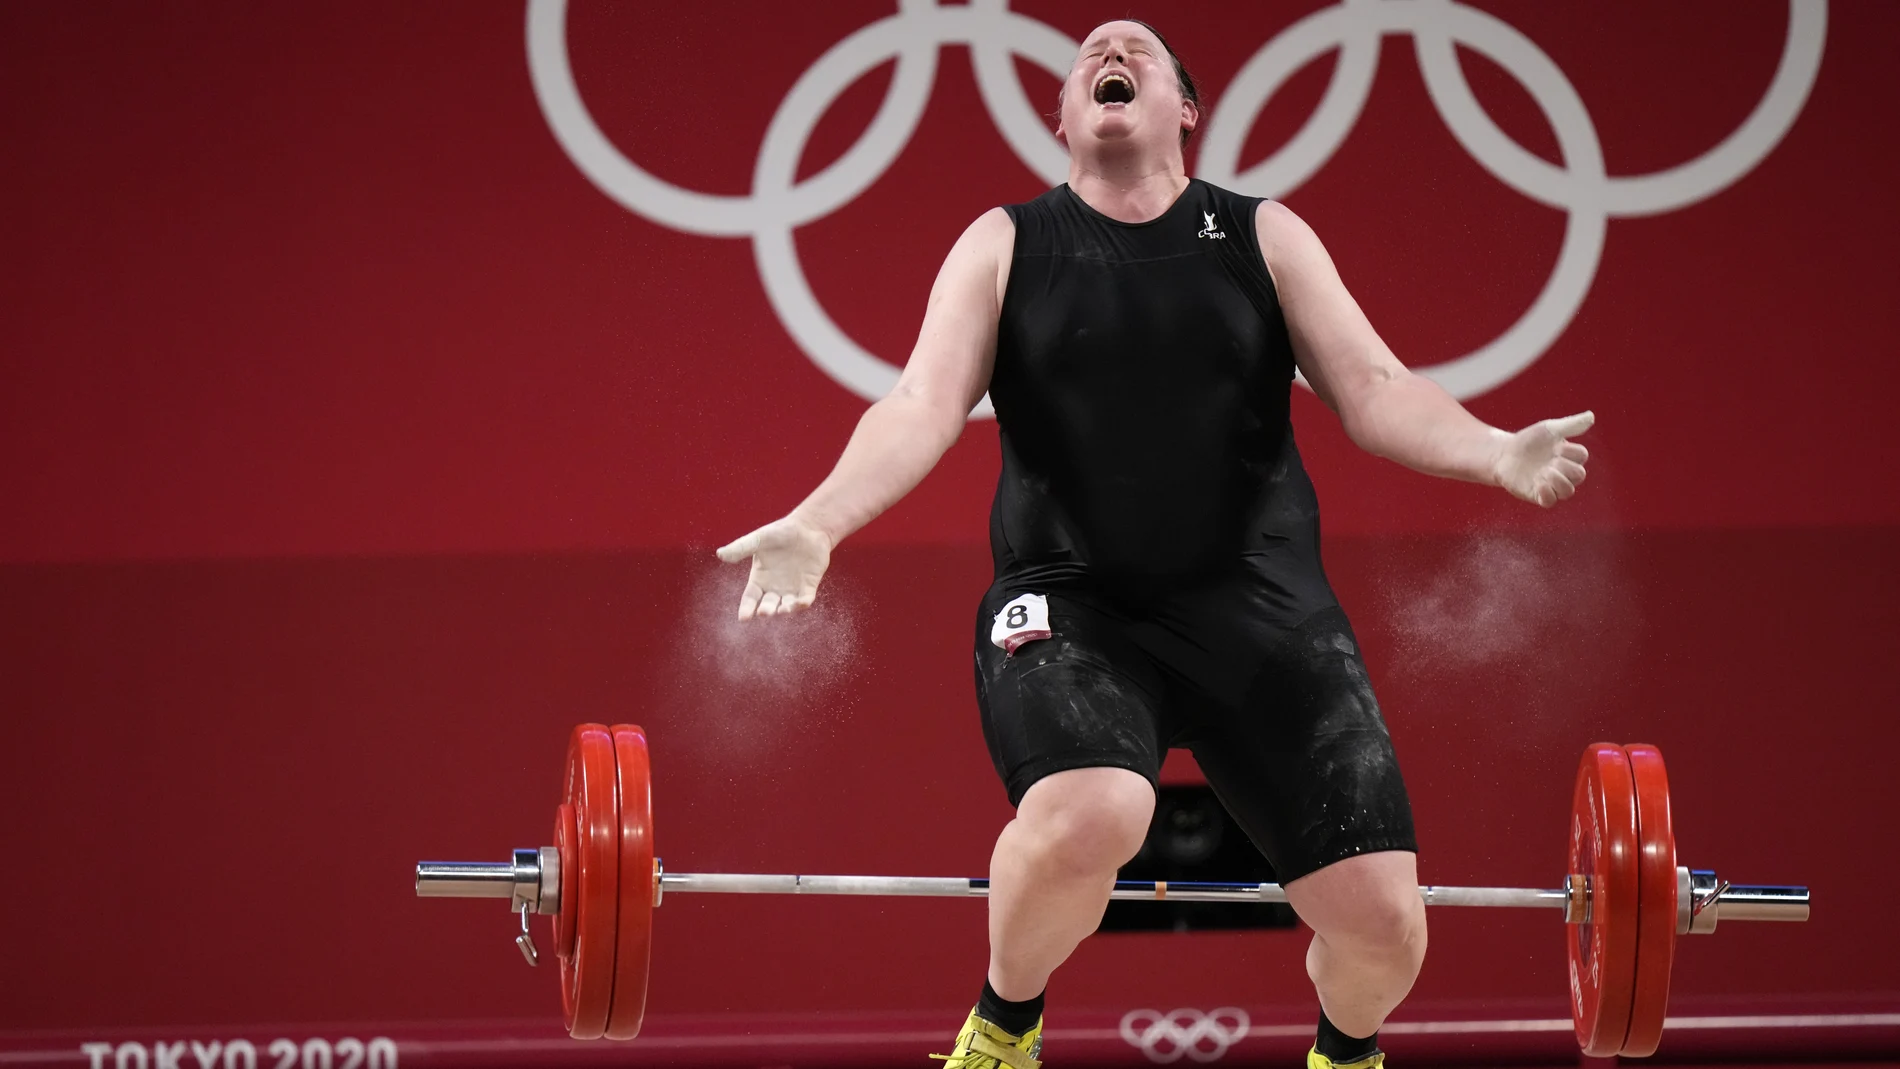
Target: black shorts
(1280, 716)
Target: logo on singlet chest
(1209, 230)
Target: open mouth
(1114, 88)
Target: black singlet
(1153, 503)
(1142, 388)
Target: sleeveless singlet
(1142, 389)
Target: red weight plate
(587, 975)
(636, 883)
(1656, 906)
(1603, 948)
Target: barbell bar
(522, 880)
(1625, 900)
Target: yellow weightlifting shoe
(982, 1045)
(1316, 1060)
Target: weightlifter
(1156, 542)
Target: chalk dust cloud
(742, 691)
(1527, 625)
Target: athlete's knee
(1388, 924)
(1368, 908)
(1089, 819)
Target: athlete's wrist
(812, 521)
(1498, 444)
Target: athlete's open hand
(1540, 464)
(789, 557)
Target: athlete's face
(1122, 89)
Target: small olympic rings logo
(1202, 1037)
(913, 36)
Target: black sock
(1341, 1047)
(1012, 1017)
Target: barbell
(1624, 900)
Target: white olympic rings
(779, 203)
(1202, 1037)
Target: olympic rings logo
(1355, 29)
(1202, 1037)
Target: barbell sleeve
(464, 879)
(1764, 903)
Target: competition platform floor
(1759, 1037)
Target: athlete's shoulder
(987, 244)
(1281, 233)
(995, 221)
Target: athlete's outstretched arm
(898, 439)
(1386, 409)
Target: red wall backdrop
(355, 442)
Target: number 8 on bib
(1025, 619)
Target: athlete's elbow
(1367, 411)
(924, 413)
(1360, 419)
